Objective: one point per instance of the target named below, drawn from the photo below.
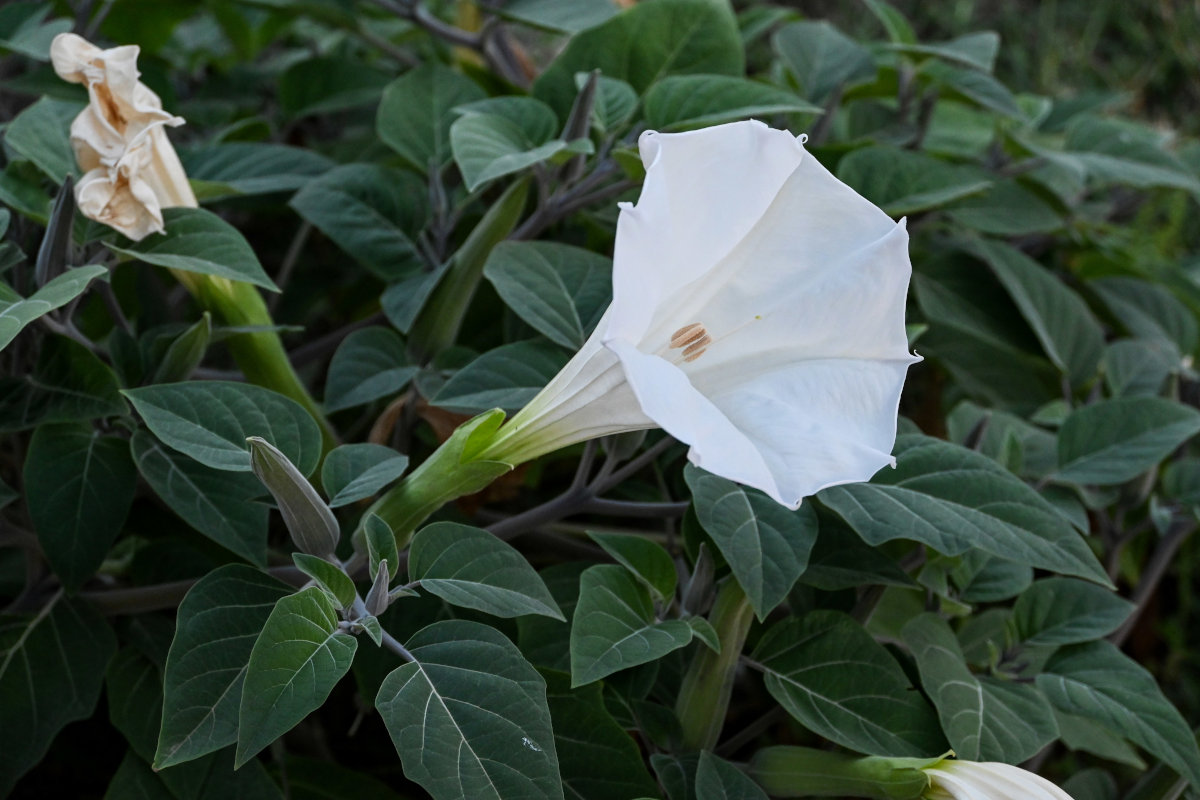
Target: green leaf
(1069, 332)
(953, 500)
(310, 778)
(134, 780)
(1066, 611)
(560, 290)
(185, 352)
(1097, 681)
(325, 85)
(898, 28)
(51, 673)
(1123, 152)
(568, 16)
(976, 50)
(79, 486)
(39, 134)
(1080, 733)
(648, 561)
(371, 212)
(133, 686)
(1116, 440)
(217, 503)
(717, 779)
(676, 774)
(599, 760)
(296, 661)
(23, 31)
(414, 115)
(507, 377)
(469, 717)
(216, 628)
(840, 559)
(1139, 366)
(972, 85)
(683, 102)
(614, 626)
(765, 544)
(213, 776)
(471, 568)
(504, 135)
(16, 314)
(369, 364)
(68, 383)
(829, 674)
(210, 421)
(905, 182)
(984, 720)
(614, 103)
(199, 241)
(355, 471)
(821, 57)
(1148, 310)
(328, 576)
(1007, 208)
(243, 168)
(645, 43)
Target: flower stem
(704, 696)
(804, 772)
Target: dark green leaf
(217, 503)
(1069, 333)
(614, 103)
(51, 672)
(681, 102)
(218, 623)
(821, 57)
(560, 290)
(507, 377)
(369, 364)
(239, 168)
(614, 626)
(22, 29)
(568, 16)
(469, 717)
(355, 471)
(1097, 681)
(328, 576)
(765, 544)
(1148, 311)
(39, 134)
(296, 661)
(1008, 208)
(210, 421)
(976, 50)
(414, 116)
(1066, 611)
(503, 135)
(326, 85)
(648, 561)
(62, 289)
(381, 544)
(646, 43)
(973, 85)
(1139, 366)
(717, 779)
(79, 486)
(1114, 441)
(199, 241)
(829, 674)
(599, 760)
(133, 685)
(369, 211)
(68, 383)
(953, 500)
(905, 182)
(134, 780)
(185, 353)
(984, 720)
(470, 567)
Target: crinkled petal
(130, 207)
(71, 55)
(703, 192)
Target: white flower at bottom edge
(131, 171)
(987, 780)
(757, 315)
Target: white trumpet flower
(131, 171)
(987, 780)
(757, 315)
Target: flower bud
(312, 525)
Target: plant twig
(1156, 570)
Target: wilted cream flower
(131, 171)
(951, 779)
(757, 315)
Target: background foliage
(357, 148)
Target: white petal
(668, 398)
(71, 55)
(973, 780)
(703, 193)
